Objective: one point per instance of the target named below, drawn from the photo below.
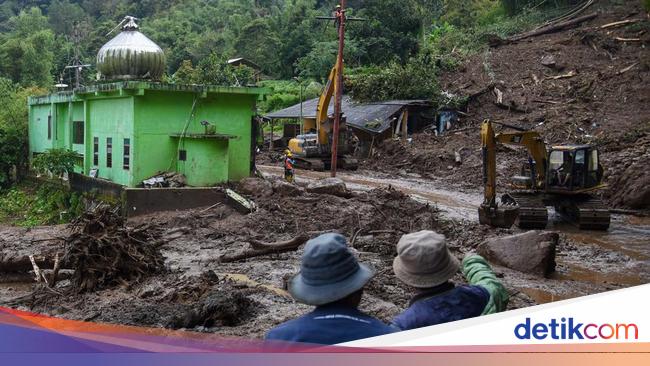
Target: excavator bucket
(498, 216)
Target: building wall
(150, 117)
(109, 118)
(162, 114)
(206, 162)
(38, 127)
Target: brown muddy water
(587, 261)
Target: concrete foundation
(141, 201)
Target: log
(619, 23)
(621, 39)
(570, 74)
(252, 254)
(553, 28)
(289, 244)
(627, 69)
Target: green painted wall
(161, 114)
(38, 121)
(110, 118)
(206, 161)
(149, 115)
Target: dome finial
(130, 23)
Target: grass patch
(30, 204)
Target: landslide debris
(582, 85)
(103, 252)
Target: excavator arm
(536, 150)
(490, 212)
(322, 117)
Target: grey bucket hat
(423, 260)
(328, 272)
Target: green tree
(26, 54)
(63, 15)
(13, 130)
(56, 161)
(260, 44)
(186, 73)
(390, 31)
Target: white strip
(624, 307)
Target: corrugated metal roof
(373, 117)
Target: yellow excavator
(312, 148)
(563, 176)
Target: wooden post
(271, 142)
(338, 89)
(405, 124)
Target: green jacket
(478, 272)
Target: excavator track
(588, 213)
(532, 210)
(309, 164)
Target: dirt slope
(594, 89)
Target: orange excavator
(562, 176)
(312, 149)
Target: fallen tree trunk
(261, 249)
(552, 28)
(14, 255)
(289, 244)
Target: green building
(126, 129)
(129, 131)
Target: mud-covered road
(587, 261)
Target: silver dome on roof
(130, 55)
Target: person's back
(442, 306)
(332, 280)
(424, 263)
(330, 324)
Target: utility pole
(340, 20)
(76, 38)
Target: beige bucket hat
(423, 260)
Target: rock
(286, 189)
(255, 187)
(530, 252)
(548, 61)
(333, 186)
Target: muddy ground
(247, 298)
(404, 187)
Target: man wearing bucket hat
(331, 279)
(424, 263)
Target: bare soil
(605, 102)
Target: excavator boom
(322, 117)
(491, 213)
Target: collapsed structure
(369, 121)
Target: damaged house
(370, 122)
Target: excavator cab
(573, 168)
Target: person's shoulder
(373, 322)
(283, 331)
(475, 291)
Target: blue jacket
(443, 304)
(329, 324)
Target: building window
(182, 155)
(95, 151)
(109, 152)
(78, 132)
(49, 127)
(127, 154)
